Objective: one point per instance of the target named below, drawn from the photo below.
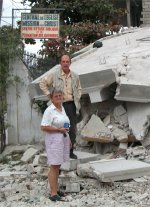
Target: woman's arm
(53, 129)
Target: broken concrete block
(43, 159)
(119, 134)
(106, 120)
(95, 130)
(138, 119)
(146, 141)
(99, 95)
(72, 188)
(14, 149)
(96, 79)
(120, 115)
(71, 175)
(139, 150)
(83, 157)
(36, 160)
(30, 168)
(38, 169)
(123, 146)
(70, 165)
(29, 154)
(84, 170)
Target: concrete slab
(133, 92)
(97, 79)
(83, 157)
(119, 169)
(29, 154)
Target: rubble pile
(109, 125)
(23, 180)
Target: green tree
(77, 10)
(10, 46)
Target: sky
(17, 7)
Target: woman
(57, 140)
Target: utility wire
(13, 4)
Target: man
(67, 81)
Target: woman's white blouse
(53, 117)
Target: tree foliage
(75, 37)
(77, 10)
(10, 45)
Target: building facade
(146, 12)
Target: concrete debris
(120, 134)
(95, 130)
(83, 157)
(29, 154)
(116, 117)
(36, 160)
(123, 146)
(26, 184)
(140, 150)
(118, 169)
(104, 148)
(120, 115)
(146, 141)
(138, 153)
(68, 182)
(107, 75)
(138, 118)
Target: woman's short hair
(55, 90)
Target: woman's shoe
(61, 194)
(55, 198)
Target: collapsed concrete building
(115, 107)
(115, 88)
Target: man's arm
(79, 88)
(45, 83)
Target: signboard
(41, 26)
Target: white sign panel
(41, 26)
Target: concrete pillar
(128, 13)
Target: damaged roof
(123, 59)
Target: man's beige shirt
(48, 80)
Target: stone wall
(23, 116)
(146, 12)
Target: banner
(43, 26)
